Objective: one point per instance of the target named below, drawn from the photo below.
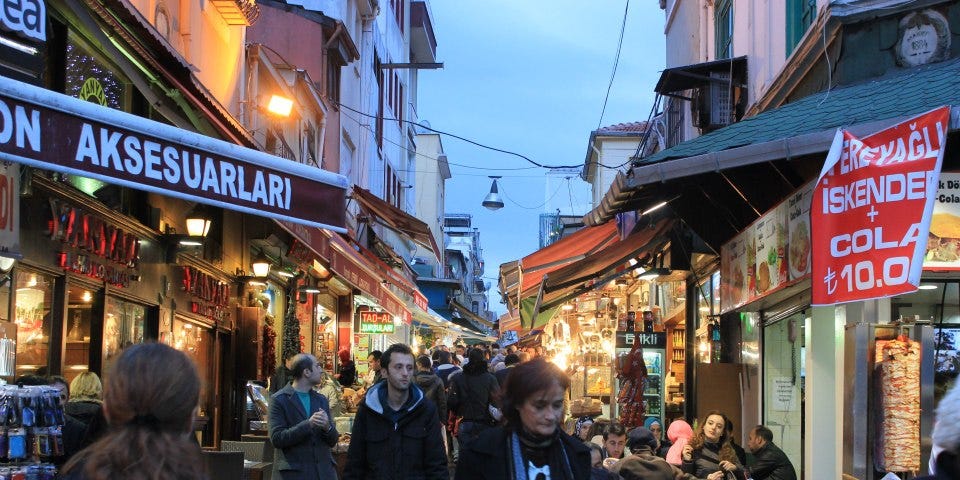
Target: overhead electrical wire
(616, 62)
(472, 142)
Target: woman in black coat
(709, 455)
(531, 441)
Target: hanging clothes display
(632, 374)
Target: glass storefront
(325, 333)
(34, 298)
(784, 355)
(80, 302)
(123, 325)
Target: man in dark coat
(396, 433)
(510, 361)
(431, 385)
(301, 428)
(643, 463)
(769, 462)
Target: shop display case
(653, 393)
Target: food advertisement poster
(737, 260)
(872, 207)
(771, 253)
(943, 242)
(798, 228)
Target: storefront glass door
(783, 387)
(123, 325)
(80, 313)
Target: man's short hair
(523, 356)
(511, 359)
(299, 363)
(763, 432)
(495, 345)
(946, 431)
(376, 354)
(444, 357)
(424, 361)
(615, 428)
(393, 350)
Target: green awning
(528, 321)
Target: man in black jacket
(769, 462)
(301, 428)
(396, 433)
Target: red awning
(595, 270)
(578, 246)
(396, 219)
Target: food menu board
(734, 278)
(798, 228)
(769, 254)
(943, 242)
(771, 251)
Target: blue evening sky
(529, 76)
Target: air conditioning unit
(713, 105)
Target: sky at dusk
(530, 77)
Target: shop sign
(27, 17)
(872, 209)
(420, 301)
(48, 130)
(943, 243)
(376, 322)
(211, 295)
(96, 248)
(10, 210)
(626, 339)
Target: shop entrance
(784, 355)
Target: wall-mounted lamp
(493, 200)
(280, 105)
(6, 263)
(260, 265)
(199, 221)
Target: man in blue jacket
(396, 433)
(301, 428)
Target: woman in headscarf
(530, 444)
(581, 429)
(348, 370)
(656, 428)
(679, 434)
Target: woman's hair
(526, 380)
(476, 364)
(149, 401)
(86, 386)
(726, 450)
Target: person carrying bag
(472, 394)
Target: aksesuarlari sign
(49, 130)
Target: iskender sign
(49, 130)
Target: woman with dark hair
(709, 454)
(150, 401)
(530, 445)
(472, 393)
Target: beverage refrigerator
(654, 346)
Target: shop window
(723, 28)
(80, 308)
(34, 298)
(784, 375)
(123, 325)
(325, 333)
(800, 15)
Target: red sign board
(871, 210)
(420, 301)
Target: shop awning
(593, 272)
(518, 278)
(396, 219)
(466, 312)
(361, 273)
(721, 182)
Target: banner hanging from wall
(871, 210)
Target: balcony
(423, 42)
(238, 12)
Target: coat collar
(292, 393)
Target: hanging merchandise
(31, 431)
(8, 355)
(898, 437)
(632, 373)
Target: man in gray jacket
(301, 428)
